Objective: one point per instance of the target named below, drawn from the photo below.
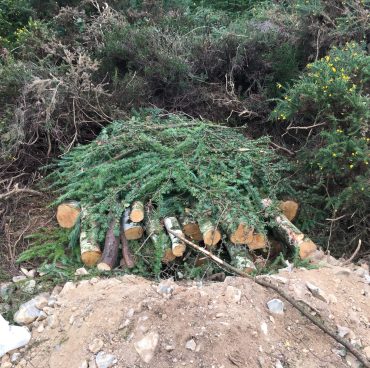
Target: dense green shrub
(328, 110)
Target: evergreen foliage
(172, 162)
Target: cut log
(242, 235)
(132, 230)
(178, 247)
(289, 209)
(90, 249)
(110, 252)
(68, 213)
(240, 258)
(258, 241)
(211, 235)
(159, 237)
(293, 237)
(127, 257)
(190, 227)
(137, 212)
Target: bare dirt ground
(201, 325)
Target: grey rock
(146, 346)
(104, 360)
(352, 361)
(52, 321)
(41, 301)
(275, 306)
(28, 286)
(5, 290)
(343, 331)
(27, 313)
(191, 345)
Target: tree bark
(132, 230)
(68, 213)
(178, 247)
(90, 249)
(293, 237)
(110, 252)
(127, 257)
(159, 237)
(211, 235)
(240, 258)
(137, 212)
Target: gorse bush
(173, 163)
(328, 109)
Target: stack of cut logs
(137, 220)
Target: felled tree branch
(17, 190)
(283, 294)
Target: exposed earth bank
(133, 322)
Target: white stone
(12, 337)
(81, 272)
(233, 294)
(96, 345)
(191, 345)
(264, 328)
(27, 313)
(275, 306)
(17, 279)
(146, 346)
(104, 360)
(15, 357)
(41, 301)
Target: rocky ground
(132, 322)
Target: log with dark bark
(110, 252)
(127, 257)
(68, 213)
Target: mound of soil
(194, 324)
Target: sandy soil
(229, 322)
